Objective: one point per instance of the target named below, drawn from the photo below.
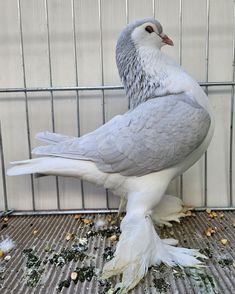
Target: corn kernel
(2, 253)
(74, 276)
(87, 221)
(224, 241)
(109, 217)
(69, 236)
(113, 238)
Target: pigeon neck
(143, 74)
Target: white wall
(90, 68)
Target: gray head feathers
(125, 48)
(133, 76)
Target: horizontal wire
(100, 210)
(94, 88)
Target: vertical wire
(206, 90)
(231, 120)
(77, 92)
(127, 21)
(127, 11)
(51, 92)
(180, 61)
(154, 14)
(102, 77)
(26, 97)
(3, 171)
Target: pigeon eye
(149, 29)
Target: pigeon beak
(166, 39)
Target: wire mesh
(77, 88)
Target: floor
(65, 253)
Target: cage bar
(206, 90)
(4, 184)
(95, 88)
(102, 77)
(127, 11)
(231, 120)
(77, 88)
(180, 62)
(51, 92)
(153, 4)
(77, 91)
(26, 96)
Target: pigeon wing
(157, 134)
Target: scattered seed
(188, 213)
(69, 236)
(87, 221)
(2, 253)
(7, 257)
(223, 241)
(109, 217)
(113, 238)
(74, 276)
(210, 231)
(35, 232)
(6, 219)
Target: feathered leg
(170, 208)
(139, 246)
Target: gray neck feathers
(138, 85)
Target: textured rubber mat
(65, 254)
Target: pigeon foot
(139, 248)
(169, 209)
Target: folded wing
(155, 135)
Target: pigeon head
(150, 34)
(144, 34)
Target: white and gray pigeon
(167, 129)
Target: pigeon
(167, 128)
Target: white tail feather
(52, 138)
(58, 166)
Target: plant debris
(75, 253)
(204, 281)
(113, 230)
(106, 286)
(108, 253)
(4, 226)
(33, 269)
(81, 274)
(225, 262)
(207, 252)
(161, 285)
(64, 284)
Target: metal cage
(51, 90)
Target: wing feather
(157, 134)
